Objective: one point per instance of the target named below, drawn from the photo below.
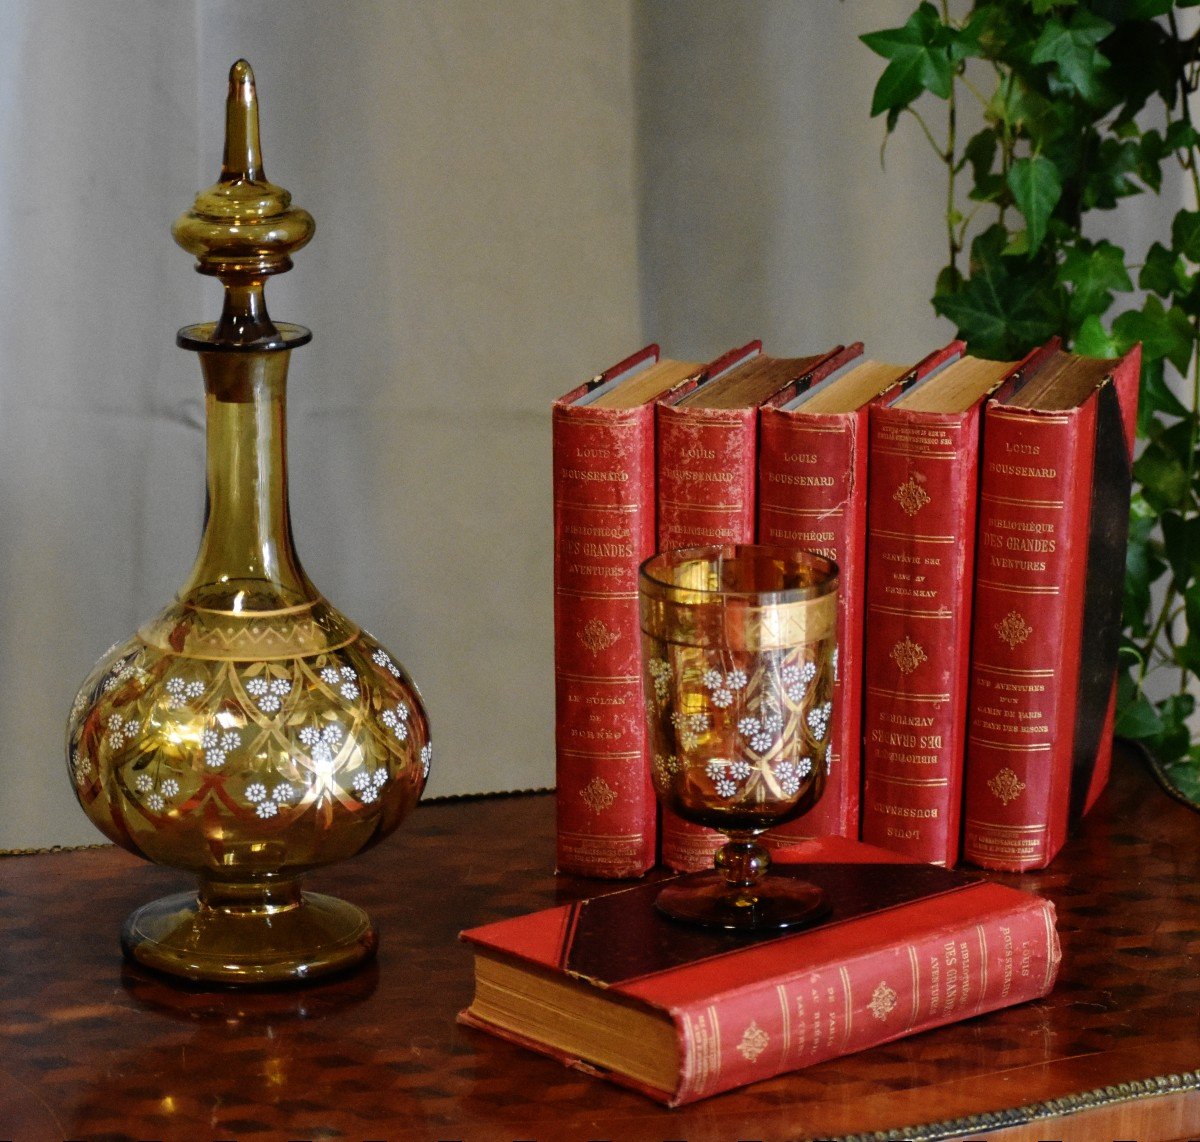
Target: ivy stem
(937, 150)
(974, 90)
(1160, 624)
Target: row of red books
(978, 513)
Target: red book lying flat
(609, 986)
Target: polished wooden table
(91, 1048)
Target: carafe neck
(247, 561)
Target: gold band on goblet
(739, 657)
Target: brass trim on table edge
(1053, 1108)
(496, 795)
(448, 799)
(56, 849)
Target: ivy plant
(1079, 105)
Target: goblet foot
(738, 896)
(780, 902)
(249, 934)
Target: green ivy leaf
(1165, 482)
(1017, 244)
(1153, 375)
(1185, 234)
(1072, 48)
(1185, 775)
(1036, 188)
(1156, 396)
(1145, 60)
(1109, 174)
(1143, 567)
(1176, 441)
(1189, 651)
(1016, 106)
(1175, 738)
(1181, 545)
(1146, 9)
(1095, 271)
(980, 152)
(898, 86)
(949, 280)
(1163, 272)
(1152, 149)
(989, 188)
(919, 60)
(1162, 332)
(1139, 720)
(1093, 340)
(1181, 134)
(1004, 306)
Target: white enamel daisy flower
(268, 693)
(343, 679)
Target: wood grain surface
(92, 1048)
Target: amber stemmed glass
(739, 657)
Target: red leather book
(603, 439)
(1054, 508)
(609, 986)
(707, 478)
(812, 494)
(921, 512)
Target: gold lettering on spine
(702, 1053)
(848, 1017)
(785, 1021)
(1051, 949)
(687, 1062)
(714, 1065)
(915, 965)
(964, 959)
(983, 962)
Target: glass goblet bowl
(739, 656)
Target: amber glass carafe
(249, 732)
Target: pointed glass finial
(242, 230)
(243, 152)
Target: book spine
(707, 471)
(922, 503)
(1025, 657)
(852, 1005)
(812, 494)
(603, 529)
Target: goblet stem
(275, 894)
(743, 862)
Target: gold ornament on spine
(249, 732)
